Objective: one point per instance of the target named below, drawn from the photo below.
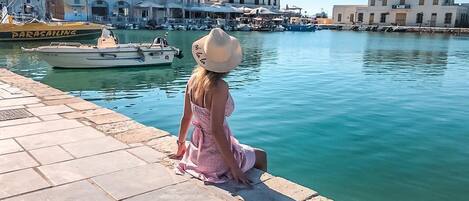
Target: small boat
(244, 27)
(10, 30)
(278, 28)
(301, 27)
(301, 24)
(107, 53)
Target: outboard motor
(179, 54)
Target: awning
(261, 11)
(216, 9)
(173, 5)
(148, 4)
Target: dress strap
(197, 125)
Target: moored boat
(40, 30)
(107, 53)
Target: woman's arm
(185, 123)
(217, 118)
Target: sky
(315, 6)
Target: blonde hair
(203, 80)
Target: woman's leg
(261, 159)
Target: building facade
(430, 13)
(33, 8)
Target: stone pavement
(57, 147)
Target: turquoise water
(355, 116)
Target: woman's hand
(240, 177)
(181, 150)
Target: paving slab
(86, 113)
(51, 117)
(57, 97)
(277, 189)
(84, 105)
(167, 145)
(140, 135)
(62, 101)
(185, 191)
(135, 181)
(108, 118)
(16, 161)
(94, 146)
(9, 146)
(78, 191)
(35, 128)
(47, 110)
(50, 155)
(19, 121)
(18, 101)
(58, 137)
(119, 127)
(78, 169)
(12, 107)
(19, 182)
(147, 154)
(35, 105)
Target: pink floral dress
(202, 158)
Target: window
(269, 3)
(372, 2)
(256, 2)
(144, 13)
(385, 2)
(352, 18)
(241, 1)
(419, 18)
(421, 2)
(275, 2)
(231, 1)
(383, 18)
(360, 17)
(448, 18)
(339, 17)
(435, 2)
(76, 1)
(372, 18)
(401, 2)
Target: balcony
(401, 6)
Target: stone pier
(57, 147)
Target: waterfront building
(431, 13)
(25, 8)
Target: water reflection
(414, 58)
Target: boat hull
(31, 32)
(301, 28)
(125, 57)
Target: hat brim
(202, 60)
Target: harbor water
(355, 116)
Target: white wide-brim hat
(217, 51)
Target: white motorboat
(244, 27)
(107, 53)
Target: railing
(401, 6)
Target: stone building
(431, 13)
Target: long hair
(203, 80)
